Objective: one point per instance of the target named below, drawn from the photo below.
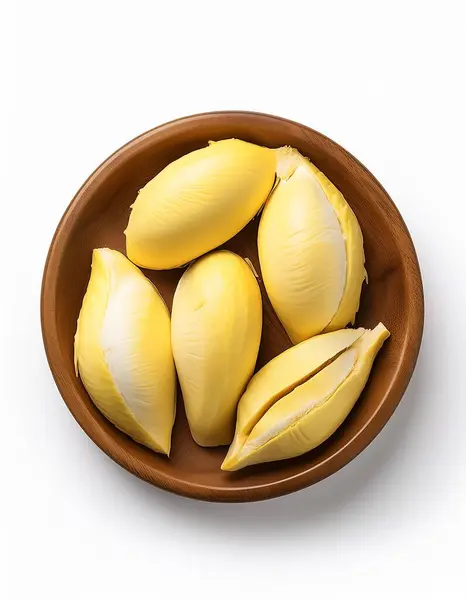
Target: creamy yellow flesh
(285, 372)
(310, 250)
(293, 407)
(123, 350)
(216, 331)
(302, 255)
(308, 415)
(198, 202)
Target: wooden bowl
(97, 217)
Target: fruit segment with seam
(301, 397)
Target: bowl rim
(358, 442)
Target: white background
(384, 79)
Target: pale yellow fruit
(216, 332)
(198, 202)
(123, 350)
(310, 250)
(284, 373)
(299, 420)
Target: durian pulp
(123, 350)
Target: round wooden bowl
(97, 217)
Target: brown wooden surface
(97, 217)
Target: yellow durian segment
(302, 255)
(123, 350)
(216, 332)
(290, 409)
(310, 250)
(198, 202)
(313, 411)
(285, 372)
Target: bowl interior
(98, 216)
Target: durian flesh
(198, 202)
(123, 350)
(310, 249)
(289, 409)
(216, 332)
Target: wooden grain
(97, 217)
